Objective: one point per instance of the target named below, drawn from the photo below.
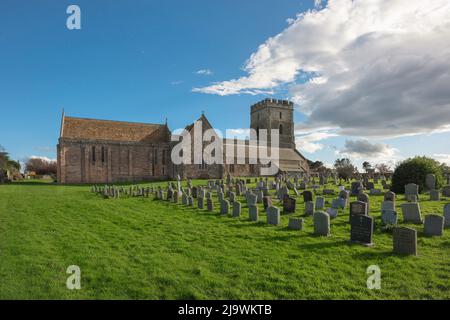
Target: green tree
(415, 170)
(344, 168)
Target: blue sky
(138, 61)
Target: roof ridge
(117, 121)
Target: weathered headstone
(389, 217)
(411, 192)
(236, 209)
(224, 207)
(273, 215)
(411, 213)
(321, 223)
(405, 241)
(358, 208)
(430, 181)
(190, 201)
(307, 196)
(434, 225)
(364, 197)
(333, 212)
(320, 203)
(295, 223)
(435, 195)
(253, 213)
(446, 191)
(251, 199)
(361, 229)
(389, 196)
(209, 204)
(200, 203)
(447, 215)
(267, 202)
(356, 187)
(289, 205)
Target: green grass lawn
(138, 248)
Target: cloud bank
(367, 68)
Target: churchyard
(225, 239)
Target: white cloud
(377, 68)
(442, 157)
(309, 142)
(43, 158)
(205, 72)
(364, 149)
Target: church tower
(275, 114)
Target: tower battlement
(269, 102)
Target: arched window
(280, 115)
(281, 129)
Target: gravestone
(411, 213)
(296, 224)
(328, 192)
(430, 181)
(361, 229)
(358, 208)
(253, 213)
(389, 196)
(190, 201)
(236, 209)
(411, 192)
(321, 223)
(333, 212)
(320, 203)
(267, 202)
(232, 196)
(364, 197)
(435, 195)
(434, 225)
(251, 199)
(200, 203)
(447, 215)
(375, 192)
(389, 217)
(446, 191)
(356, 187)
(273, 215)
(404, 241)
(289, 205)
(209, 204)
(259, 196)
(307, 196)
(309, 208)
(184, 199)
(224, 207)
(370, 186)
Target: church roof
(95, 129)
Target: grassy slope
(143, 249)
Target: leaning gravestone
(434, 225)
(411, 213)
(361, 229)
(405, 241)
(253, 213)
(289, 205)
(447, 215)
(321, 223)
(411, 192)
(236, 209)
(224, 207)
(320, 203)
(273, 215)
(358, 208)
(295, 224)
(309, 208)
(430, 181)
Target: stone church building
(104, 151)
